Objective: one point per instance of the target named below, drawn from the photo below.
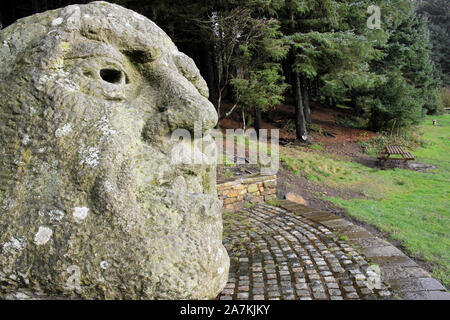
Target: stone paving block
(366, 291)
(424, 295)
(301, 286)
(349, 289)
(387, 251)
(319, 295)
(346, 282)
(323, 216)
(302, 293)
(358, 235)
(287, 291)
(400, 261)
(352, 295)
(332, 285)
(258, 291)
(228, 291)
(285, 283)
(300, 279)
(318, 289)
(326, 273)
(334, 292)
(337, 224)
(299, 209)
(367, 242)
(431, 284)
(286, 278)
(230, 285)
(309, 214)
(416, 284)
(272, 294)
(388, 273)
(242, 295)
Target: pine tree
(437, 13)
(258, 82)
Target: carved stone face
(89, 98)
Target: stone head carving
(90, 203)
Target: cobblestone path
(277, 254)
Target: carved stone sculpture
(91, 203)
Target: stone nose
(186, 108)
(180, 106)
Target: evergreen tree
(258, 82)
(437, 13)
(407, 68)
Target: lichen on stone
(89, 97)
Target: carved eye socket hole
(111, 76)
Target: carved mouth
(195, 163)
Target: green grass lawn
(413, 207)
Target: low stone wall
(235, 193)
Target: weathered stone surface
(295, 198)
(89, 189)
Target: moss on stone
(140, 236)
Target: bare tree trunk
(300, 123)
(219, 101)
(220, 68)
(229, 112)
(305, 94)
(317, 88)
(210, 76)
(258, 120)
(243, 117)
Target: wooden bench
(394, 150)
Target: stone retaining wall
(235, 193)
